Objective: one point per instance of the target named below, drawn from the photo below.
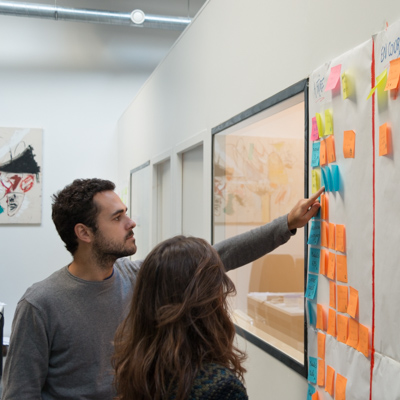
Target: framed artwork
(20, 176)
(259, 174)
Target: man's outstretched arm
(248, 247)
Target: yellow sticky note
(352, 339)
(323, 158)
(320, 125)
(363, 340)
(342, 298)
(384, 140)
(332, 294)
(315, 181)
(330, 149)
(330, 380)
(345, 86)
(340, 238)
(331, 236)
(349, 144)
(323, 265)
(394, 75)
(341, 268)
(331, 266)
(321, 345)
(328, 123)
(352, 307)
(340, 387)
(324, 233)
(331, 323)
(342, 328)
(321, 320)
(321, 373)
(379, 80)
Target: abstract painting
(20, 176)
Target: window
(259, 162)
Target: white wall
(234, 55)
(78, 112)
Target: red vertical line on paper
(373, 222)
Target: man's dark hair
(73, 205)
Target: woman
(177, 340)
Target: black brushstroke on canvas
(24, 164)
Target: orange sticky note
(363, 340)
(384, 140)
(342, 328)
(324, 233)
(352, 307)
(342, 298)
(340, 392)
(322, 153)
(320, 318)
(331, 323)
(315, 396)
(323, 265)
(330, 149)
(331, 266)
(394, 74)
(330, 379)
(321, 345)
(321, 373)
(349, 144)
(352, 339)
(331, 236)
(332, 294)
(340, 244)
(324, 206)
(341, 268)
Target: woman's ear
(83, 233)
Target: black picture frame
(295, 89)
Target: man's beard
(107, 251)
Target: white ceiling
(32, 43)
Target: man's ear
(83, 233)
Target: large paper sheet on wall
(386, 382)
(340, 120)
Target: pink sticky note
(333, 77)
(314, 130)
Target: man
(61, 341)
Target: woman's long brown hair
(178, 321)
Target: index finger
(315, 196)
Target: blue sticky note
(335, 177)
(312, 285)
(312, 313)
(315, 233)
(310, 391)
(312, 370)
(329, 178)
(313, 260)
(315, 154)
(324, 180)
